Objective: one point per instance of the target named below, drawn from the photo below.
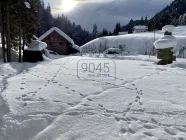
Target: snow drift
(140, 43)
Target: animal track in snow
(56, 101)
(137, 97)
(123, 130)
(181, 129)
(100, 105)
(148, 134)
(131, 131)
(170, 132)
(140, 103)
(18, 98)
(149, 126)
(89, 99)
(25, 104)
(24, 95)
(154, 121)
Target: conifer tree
(146, 21)
(95, 31)
(131, 26)
(117, 29)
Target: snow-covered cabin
(59, 42)
(140, 29)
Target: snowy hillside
(47, 101)
(140, 43)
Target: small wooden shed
(59, 42)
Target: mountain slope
(169, 15)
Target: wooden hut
(59, 42)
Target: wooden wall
(57, 43)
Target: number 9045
(97, 69)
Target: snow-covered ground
(47, 101)
(137, 43)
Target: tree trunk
(20, 32)
(2, 32)
(8, 31)
(23, 47)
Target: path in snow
(49, 102)
(5, 74)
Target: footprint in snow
(181, 138)
(128, 119)
(140, 103)
(71, 104)
(25, 104)
(182, 130)
(131, 131)
(56, 101)
(154, 121)
(18, 98)
(128, 109)
(41, 99)
(24, 95)
(148, 134)
(117, 118)
(144, 121)
(82, 95)
(100, 105)
(149, 126)
(89, 99)
(137, 97)
(123, 130)
(170, 132)
(85, 104)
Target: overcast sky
(105, 13)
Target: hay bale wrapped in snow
(35, 51)
(165, 46)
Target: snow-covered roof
(62, 34)
(140, 27)
(37, 45)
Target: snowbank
(140, 43)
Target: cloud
(105, 13)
